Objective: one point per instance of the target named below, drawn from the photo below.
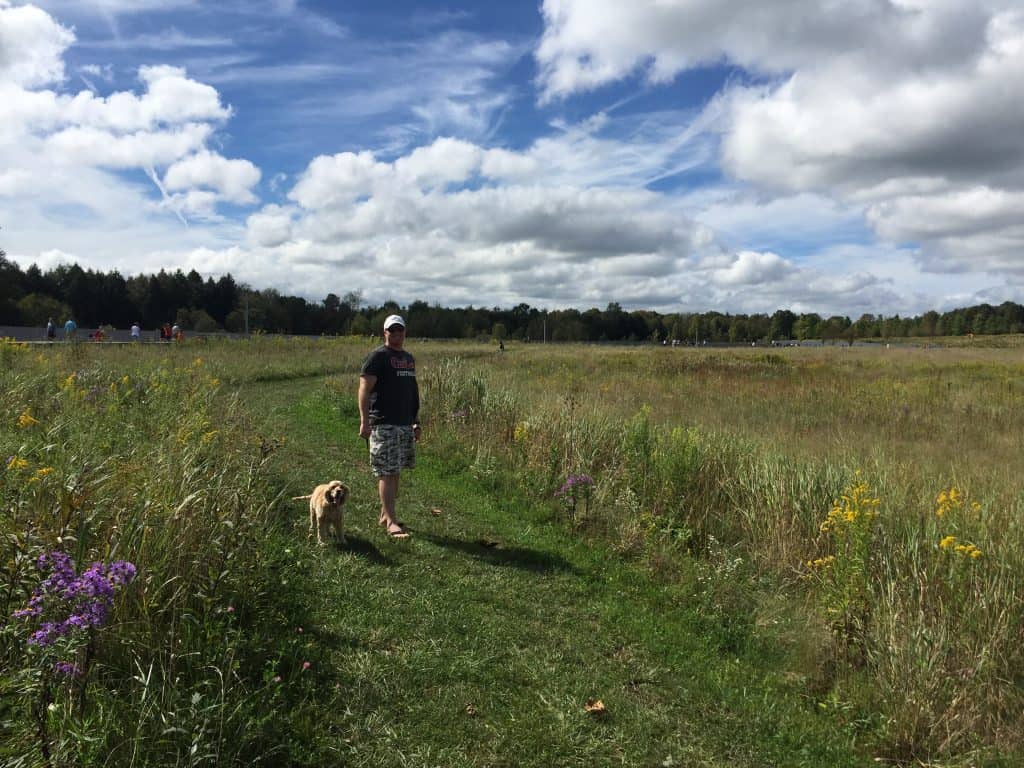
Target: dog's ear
(344, 491)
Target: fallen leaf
(595, 707)
(471, 710)
(436, 512)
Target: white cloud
(751, 268)
(915, 108)
(91, 146)
(270, 227)
(232, 179)
(445, 161)
(32, 45)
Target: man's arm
(366, 384)
(416, 410)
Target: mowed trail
(490, 636)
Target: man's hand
(364, 430)
(416, 432)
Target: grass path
(479, 641)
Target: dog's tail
(300, 498)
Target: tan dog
(327, 508)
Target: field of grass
(751, 557)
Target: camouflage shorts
(392, 449)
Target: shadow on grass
(495, 553)
(363, 548)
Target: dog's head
(337, 492)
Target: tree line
(32, 296)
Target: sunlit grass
(721, 462)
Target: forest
(31, 296)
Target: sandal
(399, 534)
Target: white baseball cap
(394, 320)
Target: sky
(831, 156)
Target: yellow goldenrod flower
(975, 506)
(26, 420)
(975, 553)
(947, 542)
(43, 471)
(16, 463)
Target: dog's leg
(312, 520)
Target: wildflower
(306, 665)
(26, 419)
(572, 481)
(947, 542)
(68, 669)
(230, 609)
(16, 463)
(277, 678)
(79, 602)
(43, 471)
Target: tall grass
(727, 462)
(822, 471)
(139, 456)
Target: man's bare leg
(387, 486)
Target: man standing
(70, 327)
(389, 405)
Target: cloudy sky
(838, 156)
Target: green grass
(677, 591)
(479, 641)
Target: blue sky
(678, 156)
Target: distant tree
(807, 326)
(781, 326)
(360, 326)
(10, 291)
(36, 309)
(235, 321)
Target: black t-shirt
(395, 398)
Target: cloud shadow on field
(495, 553)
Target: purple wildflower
(68, 669)
(572, 481)
(85, 601)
